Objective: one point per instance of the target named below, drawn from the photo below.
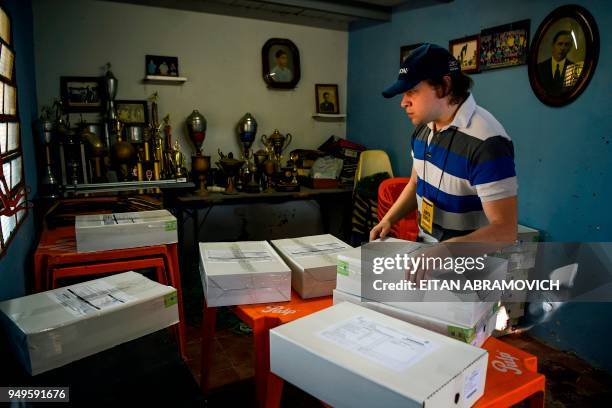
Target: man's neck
(447, 116)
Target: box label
(472, 383)
(324, 248)
(237, 255)
(90, 297)
(342, 268)
(171, 225)
(385, 345)
(170, 299)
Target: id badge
(427, 215)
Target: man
(281, 73)
(463, 179)
(552, 70)
(326, 106)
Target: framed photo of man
(467, 52)
(563, 55)
(280, 60)
(327, 98)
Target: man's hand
(380, 230)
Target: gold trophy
(177, 161)
(199, 167)
(277, 143)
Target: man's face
(282, 60)
(421, 104)
(326, 97)
(561, 47)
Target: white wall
(220, 55)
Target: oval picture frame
(280, 61)
(568, 32)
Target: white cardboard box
(462, 309)
(247, 272)
(312, 261)
(51, 329)
(103, 232)
(350, 356)
(475, 335)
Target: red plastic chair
(388, 191)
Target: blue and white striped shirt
(472, 161)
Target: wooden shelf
(329, 115)
(164, 79)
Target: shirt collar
(462, 116)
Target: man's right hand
(380, 230)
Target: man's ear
(447, 85)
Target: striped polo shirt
(464, 164)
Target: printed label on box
(342, 268)
(390, 347)
(229, 255)
(472, 383)
(171, 225)
(324, 248)
(90, 297)
(170, 299)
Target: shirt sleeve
(492, 169)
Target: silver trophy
(111, 84)
(247, 129)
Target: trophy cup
(111, 84)
(122, 153)
(247, 128)
(269, 168)
(157, 141)
(49, 182)
(196, 130)
(277, 143)
(96, 150)
(230, 168)
(199, 166)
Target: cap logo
(403, 71)
(453, 66)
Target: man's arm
(405, 204)
(503, 223)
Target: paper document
(323, 248)
(90, 297)
(394, 349)
(229, 255)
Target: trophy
(111, 84)
(196, 130)
(200, 166)
(95, 148)
(157, 141)
(277, 143)
(122, 152)
(177, 161)
(230, 168)
(49, 182)
(247, 128)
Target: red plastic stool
(388, 192)
(57, 248)
(261, 318)
(58, 273)
(512, 377)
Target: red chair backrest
(388, 191)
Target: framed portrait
(280, 63)
(563, 55)
(161, 66)
(82, 94)
(327, 98)
(467, 52)
(504, 46)
(405, 50)
(132, 112)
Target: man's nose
(405, 102)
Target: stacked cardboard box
(312, 261)
(51, 329)
(521, 262)
(236, 273)
(350, 356)
(103, 232)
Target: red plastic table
(57, 249)
(261, 318)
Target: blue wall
(562, 154)
(13, 263)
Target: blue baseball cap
(424, 62)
